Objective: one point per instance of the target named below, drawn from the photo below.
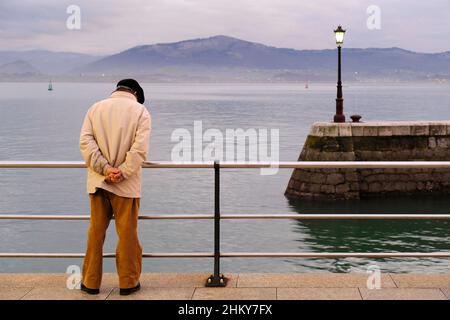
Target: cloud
(111, 26)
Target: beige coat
(116, 132)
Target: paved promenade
(260, 286)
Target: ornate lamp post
(339, 116)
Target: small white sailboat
(307, 84)
(50, 86)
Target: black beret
(134, 86)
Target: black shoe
(89, 290)
(126, 292)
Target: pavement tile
(33, 280)
(402, 294)
(318, 294)
(309, 280)
(13, 293)
(58, 293)
(181, 280)
(147, 293)
(424, 280)
(446, 291)
(235, 294)
(110, 280)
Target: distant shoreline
(113, 79)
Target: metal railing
(217, 279)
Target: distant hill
(48, 62)
(18, 67)
(220, 54)
(223, 58)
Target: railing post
(217, 279)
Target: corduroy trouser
(105, 205)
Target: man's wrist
(124, 174)
(105, 168)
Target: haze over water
(36, 124)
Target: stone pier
(373, 141)
(240, 286)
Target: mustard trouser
(105, 205)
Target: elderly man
(114, 142)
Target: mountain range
(223, 58)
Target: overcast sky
(110, 26)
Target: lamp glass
(339, 33)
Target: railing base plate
(214, 281)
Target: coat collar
(123, 94)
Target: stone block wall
(373, 141)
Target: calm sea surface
(36, 124)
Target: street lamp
(339, 116)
